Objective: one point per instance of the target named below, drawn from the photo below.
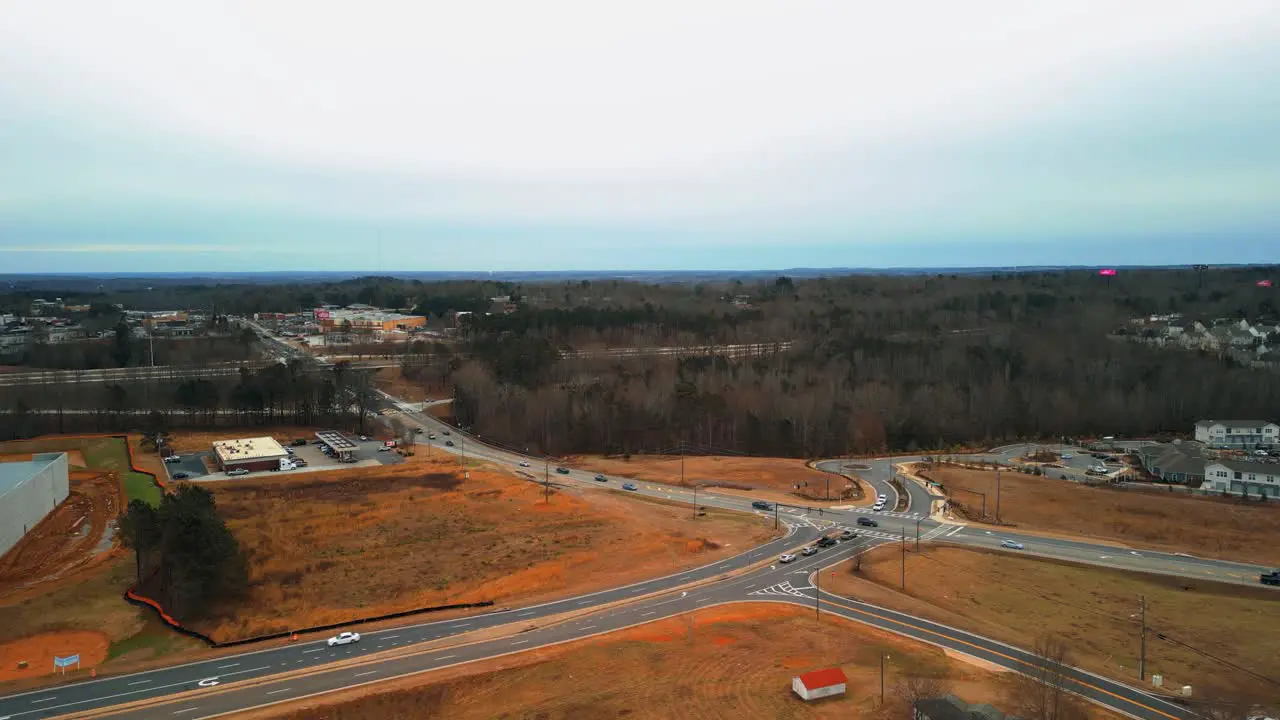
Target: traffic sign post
(62, 663)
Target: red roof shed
(820, 683)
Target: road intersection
(218, 686)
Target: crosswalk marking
(783, 588)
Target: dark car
(449, 443)
(417, 431)
(600, 478)
(761, 505)
(1268, 578)
(180, 476)
(446, 432)
(562, 470)
(299, 442)
(630, 486)
(868, 522)
(826, 541)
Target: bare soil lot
(335, 546)
(734, 661)
(779, 475)
(1176, 522)
(1012, 599)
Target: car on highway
(761, 505)
(524, 463)
(237, 472)
(431, 436)
(788, 557)
(601, 478)
(179, 476)
(562, 470)
(809, 550)
(882, 498)
(877, 507)
(630, 486)
(448, 443)
(345, 638)
(867, 522)
(848, 534)
(446, 432)
(417, 431)
(825, 541)
(1270, 578)
(1011, 545)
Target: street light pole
(1142, 657)
(997, 496)
(817, 592)
(918, 534)
(881, 678)
(695, 502)
(904, 558)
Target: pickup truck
(1270, 578)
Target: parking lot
(190, 464)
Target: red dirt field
(67, 540)
(1208, 527)
(780, 475)
(39, 650)
(732, 661)
(331, 547)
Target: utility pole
(775, 516)
(462, 437)
(918, 534)
(681, 463)
(997, 496)
(817, 592)
(881, 678)
(904, 558)
(1142, 656)
(695, 501)
(546, 480)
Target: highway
(208, 687)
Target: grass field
(728, 662)
(1012, 598)
(108, 454)
(1209, 527)
(779, 475)
(336, 546)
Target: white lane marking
(140, 682)
(389, 637)
(42, 700)
(275, 692)
(525, 614)
(587, 627)
(224, 667)
(651, 612)
(304, 652)
(190, 709)
(584, 602)
(370, 672)
(519, 642)
(446, 657)
(633, 592)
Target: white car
(1067, 456)
(784, 559)
(1011, 545)
(877, 507)
(237, 472)
(809, 550)
(173, 459)
(882, 497)
(345, 638)
(524, 463)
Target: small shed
(819, 683)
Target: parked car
(1067, 456)
(384, 448)
(237, 472)
(600, 478)
(299, 442)
(848, 535)
(173, 459)
(1011, 545)
(449, 443)
(180, 476)
(345, 638)
(630, 486)
(363, 438)
(784, 559)
(867, 522)
(761, 505)
(562, 470)
(524, 463)
(809, 550)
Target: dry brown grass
(734, 661)
(1176, 522)
(1013, 599)
(392, 382)
(779, 475)
(335, 546)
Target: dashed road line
(277, 692)
(370, 672)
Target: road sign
(65, 662)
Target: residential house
(1238, 477)
(820, 683)
(1179, 462)
(950, 707)
(1237, 434)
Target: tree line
(187, 558)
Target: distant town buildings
(1255, 344)
(1238, 434)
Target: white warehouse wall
(24, 506)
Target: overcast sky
(175, 136)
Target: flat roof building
(29, 491)
(261, 453)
